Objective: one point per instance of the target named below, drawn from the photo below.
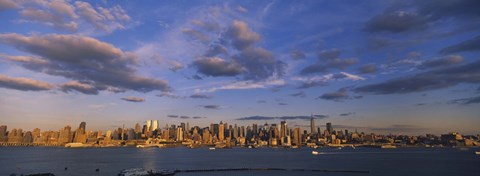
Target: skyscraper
(149, 125)
(296, 137)
(154, 125)
(329, 128)
(83, 126)
(138, 128)
(179, 134)
(64, 136)
(312, 125)
(80, 135)
(283, 129)
(3, 133)
(221, 131)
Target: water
(392, 162)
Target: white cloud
(240, 85)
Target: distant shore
(179, 145)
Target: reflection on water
(150, 157)
(401, 161)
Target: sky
(405, 67)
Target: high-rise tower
(312, 125)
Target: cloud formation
(83, 59)
(347, 114)
(329, 59)
(7, 4)
(429, 80)
(211, 106)
(69, 16)
(247, 61)
(241, 36)
(400, 128)
(172, 116)
(300, 94)
(79, 87)
(261, 101)
(466, 101)
(414, 16)
(283, 117)
(367, 69)
(443, 61)
(133, 99)
(201, 96)
(170, 95)
(241, 85)
(215, 66)
(308, 82)
(23, 84)
(465, 46)
(396, 21)
(339, 95)
(297, 54)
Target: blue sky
(404, 67)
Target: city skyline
(404, 67)
(225, 135)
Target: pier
(17, 144)
(272, 169)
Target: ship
(314, 153)
(76, 145)
(477, 153)
(388, 146)
(150, 145)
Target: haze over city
(401, 67)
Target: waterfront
(84, 161)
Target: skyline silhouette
(410, 67)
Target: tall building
(27, 138)
(15, 136)
(283, 129)
(221, 131)
(255, 129)
(138, 128)
(64, 136)
(329, 128)
(80, 134)
(297, 138)
(149, 125)
(236, 131)
(154, 125)
(83, 126)
(3, 133)
(179, 134)
(184, 127)
(312, 125)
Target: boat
(75, 145)
(314, 152)
(477, 153)
(388, 146)
(150, 145)
(339, 148)
(211, 148)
